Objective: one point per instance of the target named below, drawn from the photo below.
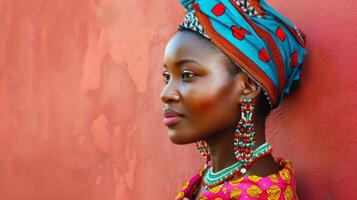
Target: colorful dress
(279, 186)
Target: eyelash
(184, 72)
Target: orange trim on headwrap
(277, 57)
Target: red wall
(80, 113)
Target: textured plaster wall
(80, 114)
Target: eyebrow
(181, 62)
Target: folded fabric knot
(265, 45)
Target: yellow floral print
(284, 174)
(216, 189)
(288, 194)
(203, 198)
(180, 195)
(224, 190)
(236, 181)
(274, 178)
(254, 178)
(254, 191)
(186, 185)
(274, 192)
(235, 193)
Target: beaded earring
(203, 149)
(244, 137)
(244, 142)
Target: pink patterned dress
(279, 186)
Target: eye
(187, 74)
(166, 77)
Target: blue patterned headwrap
(263, 43)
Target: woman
(230, 63)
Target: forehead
(189, 45)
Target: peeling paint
(100, 133)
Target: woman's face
(201, 85)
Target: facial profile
(203, 86)
(228, 67)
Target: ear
(251, 89)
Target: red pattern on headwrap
(280, 33)
(218, 9)
(263, 55)
(239, 33)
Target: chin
(177, 138)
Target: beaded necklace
(212, 179)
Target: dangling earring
(203, 149)
(244, 142)
(244, 136)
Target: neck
(221, 145)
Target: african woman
(228, 66)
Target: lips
(171, 117)
(171, 113)
(169, 121)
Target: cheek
(200, 102)
(203, 105)
(213, 103)
(210, 106)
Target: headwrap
(264, 44)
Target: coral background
(80, 113)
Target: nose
(169, 93)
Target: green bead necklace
(212, 179)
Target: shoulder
(275, 186)
(190, 187)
